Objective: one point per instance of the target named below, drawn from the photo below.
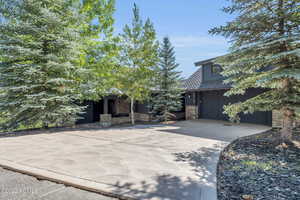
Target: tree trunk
(288, 121)
(132, 111)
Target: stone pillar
(191, 107)
(106, 120)
(191, 112)
(105, 106)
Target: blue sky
(186, 22)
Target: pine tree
(265, 54)
(139, 54)
(169, 90)
(38, 46)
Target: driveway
(175, 162)
(16, 186)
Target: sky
(186, 22)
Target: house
(115, 109)
(204, 99)
(112, 109)
(205, 96)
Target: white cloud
(197, 41)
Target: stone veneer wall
(105, 120)
(139, 117)
(120, 120)
(277, 119)
(191, 112)
(142, 117)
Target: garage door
(212, 102)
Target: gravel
(257, 167)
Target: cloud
(197, 41)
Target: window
(216, 69)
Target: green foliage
(168, 84)
(253, 165)
(39, 48)
(265, 54)
(139, 55)
(99, 50)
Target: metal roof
(194, 82)
(203, 62)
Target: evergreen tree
(169, 89)
(39, 44)
(265, 54)
(139, 54)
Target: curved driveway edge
(142, 162)
(55, 177)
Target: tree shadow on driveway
(202, 161)
(214, 130)
(166, 187)
(201, 185)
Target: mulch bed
(257, 167)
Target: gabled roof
(194, 82)
(203, 62)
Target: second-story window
(216, 69)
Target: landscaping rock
(255, 167)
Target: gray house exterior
(205, 96)
(115, 109)
(203, 99)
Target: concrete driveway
(16, 186)
(170, 162)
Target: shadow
(51, 130)
(166, 187)
(170, 187)
(75, 128)
(203, 161)
(199, 167)
(215, 130)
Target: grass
(251, 164)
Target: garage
(211, 106)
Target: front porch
(112, 110)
